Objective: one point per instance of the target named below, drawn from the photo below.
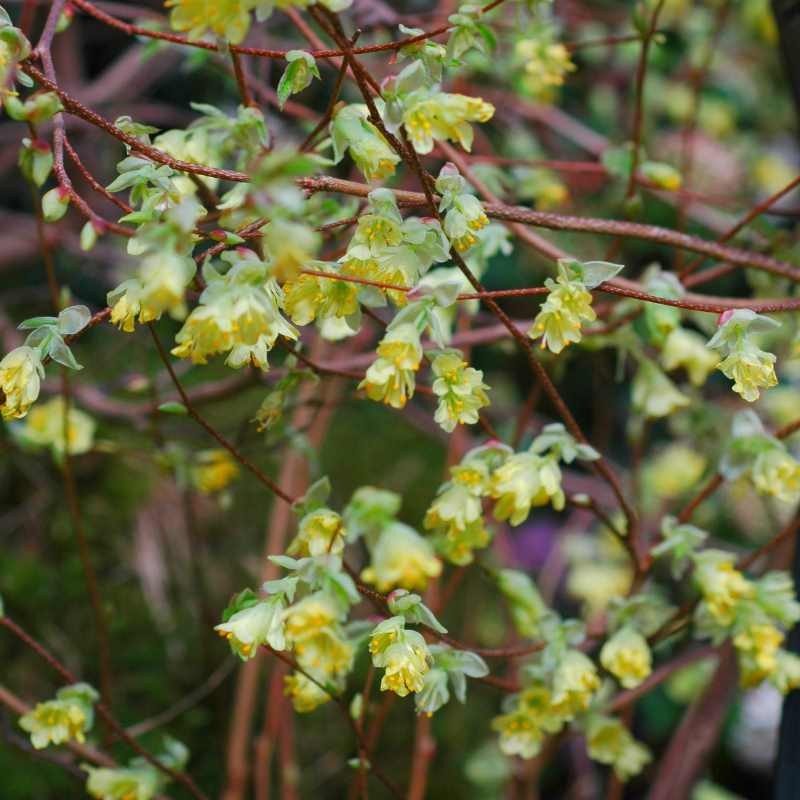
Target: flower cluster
(391, 377)
(533, 478)
(460, 389)
(545, 63)
(748, 366)
(51, 425)
(239, 313)
(431, 115)
(399, 557)
(569, 303)
(463, 212)
(402, 654)
(455, 516)
(140, 780)
(753, 613)
(21, 373)
(324, 653)
(67, 718)
(352, 132)
(385, 248)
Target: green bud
(55, 204)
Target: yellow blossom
(523, 481)
(67, 718)
(443, 117)
(750, 369)
(320, 532)
(44, 426)
(627, 657)
(214, 470)
(757, 646)
(558, 322)
(687, 349)
(721, 585)
(229, 19)
(610, 742)
(21, 372)
(257, 624)
(574, 683)
(401, 559)
(304, 693)
(777, 474)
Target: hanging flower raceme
(569, 302)
(239, 313)
(608, 741)
(320, 532)
(311, 297)
(322, 650)
(213, 470)
(749, 367)
(653, 394)
(45, 427)
(67, 718)
(401, 558)
(533, 478)
(402, 654)
(626, 655)
(160, 286)
(463, 212)
(545, 62)
(22, 370)
(250, 622)
(139, 780)
(431, 115)
(21, 373)
(352, 132)
(391, 377)
(754, 453)
(687, 349)
(455, 517)
(385, 248)
(460, 389)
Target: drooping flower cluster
(754, 453)
(747, 365)
(753, 614)
(48, 425)
(322, 649)
(21, 373)
(545, 63)
(569, 303)
(431, 115)
(230, 19)
(239, 313)
(140, 780)
(533, 478)
(463, 212)
(399, 557)
(386, 248)
(22, 370)
(352, 132)
(402, 654)
(455, 516)
(460, 389)
(69, 717)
